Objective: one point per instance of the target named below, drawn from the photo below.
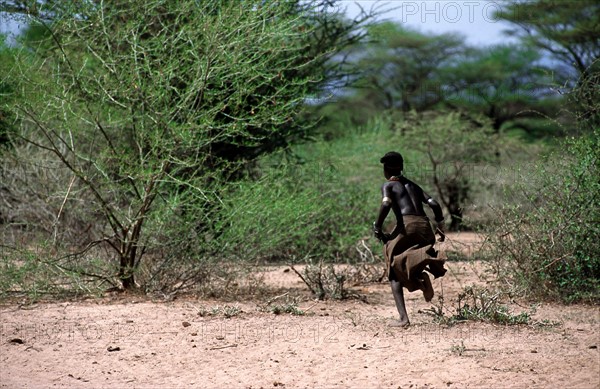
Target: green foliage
(150, 105)
(545, 242)
(456, 150)
(7, 91)
(291, 308)
(503, 82)
(476, 303)
(307, 206)
(566, 29)
(24, 274)
(459, 349)
(479, 305)
(400, 69)
(272, 218)
(586, 97)
(227, 311)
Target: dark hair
(393, 162)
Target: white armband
(386, 200)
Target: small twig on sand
(222, 347)
(311, 307)
(275, 298)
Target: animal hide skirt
(410, 253)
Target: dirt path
(334, 344)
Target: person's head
(393, 164)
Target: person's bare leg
(400, 306)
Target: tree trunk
(457, 194)
(126, 274)
(455, 220)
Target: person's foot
(426, 287)
(400, 323)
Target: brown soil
(131, 342)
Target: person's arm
(384, 210)
(438, 215)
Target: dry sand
(132, 342)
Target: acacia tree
(150, 103)
(502, 82)
(567, 30)
(401, 67)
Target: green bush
(317, 205)
(273, 219)
(546, 244)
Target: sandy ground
(131, 342)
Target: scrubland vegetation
(173, 149)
